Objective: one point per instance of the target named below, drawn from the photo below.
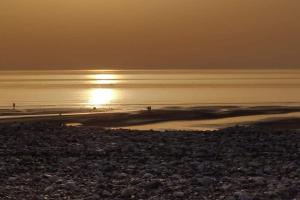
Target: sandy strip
(215, 114)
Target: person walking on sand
(14, 106)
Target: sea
(136, 89)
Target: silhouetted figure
(95, 108)
(60, 119)
(14, 106)
(149, 108)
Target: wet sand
(283, 121)
(11, 113)
(192, 118)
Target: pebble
(178, 194)
(242, 196)
(206, 181)
(70, 185)
(153, 184)
(50, 188)
(128, 192)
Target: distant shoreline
(144, 68)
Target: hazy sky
(48, 34)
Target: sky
(125, 34)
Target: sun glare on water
(105, 78)
(101, 96)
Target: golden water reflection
(105, 78)
(101, 96)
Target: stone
(254, 164)
(259, 181)
(71, 185)
(178, 194)
(153, 184)
(47, 176)
(95, 197)
(147, 175)
(121, 175)
(49, 189)
(206, 181)
(12, 178)
(128, 192)
(242, 196)
(106, 193)
(226, 187)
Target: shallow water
(213, 124)
(133, 89)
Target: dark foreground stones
(47, 161)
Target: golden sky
(48, 34)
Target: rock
(49, 189)
(71, 185)
(259, 181)
(95, 197)
(267, 169)
(200, 189)
(50, 177)
(147, 175)
(106, 193)
(206, 181)
(178, 194)
(131, 167)
(121, 175)
(12, 178)
(242, 196)
(226, 187)
(59, 181)
(128, 192)
(153, 184)
(254, 164)
(47, 176)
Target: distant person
(149, 108)
(60, 119)
(14, 106)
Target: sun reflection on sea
(101, 96)
(105, 78)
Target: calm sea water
(137, 88)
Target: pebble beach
(50, 161)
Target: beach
(45, 160)
(149, 100)
(150, 134)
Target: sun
(101, 96)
